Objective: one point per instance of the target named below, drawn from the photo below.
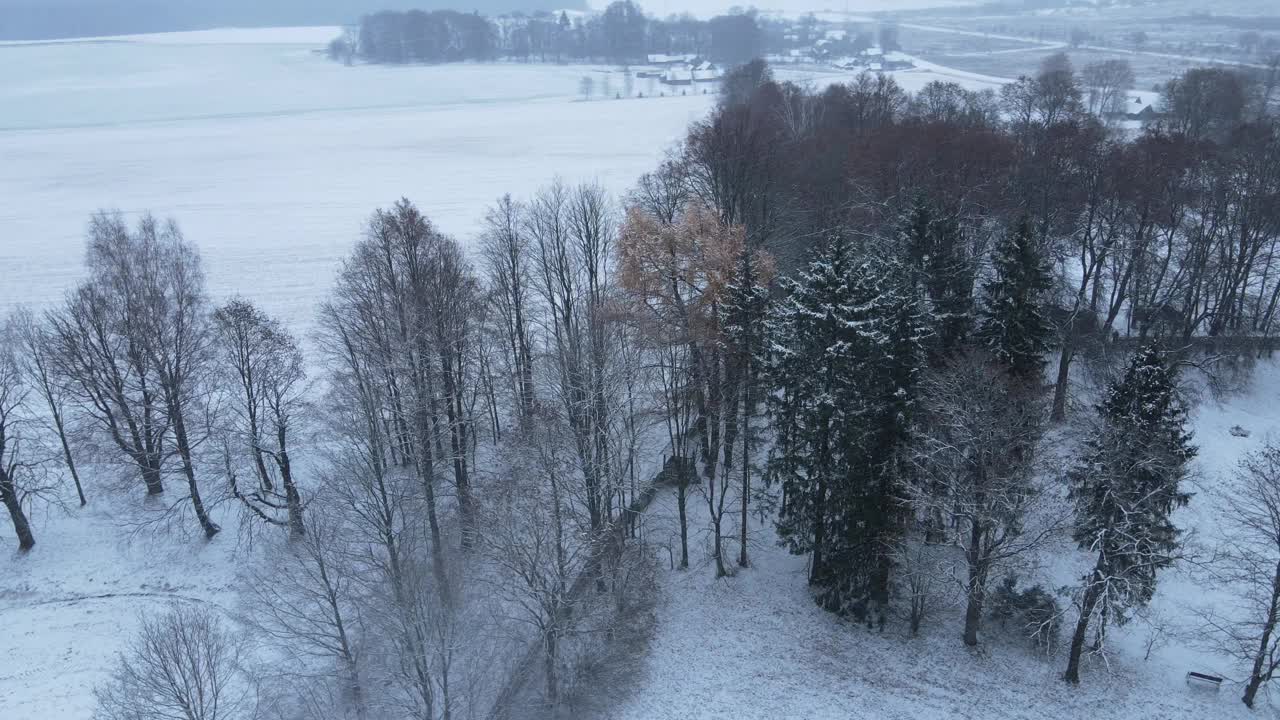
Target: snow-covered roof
(660, 59)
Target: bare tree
(309, 606)
(37, 363)
(975, 454)
(184, 665)
(377, 332)
(1248, 564)
(175, 335)
(665, 192)
(536, 538)
(920, 569)
(402, 590)
(101, 352)
(572, 235)
(265, 364)
(1108, 83)
(504, 247)
(13, 425)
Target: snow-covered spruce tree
(943, 270)
(848, 346)
(1011, 323)
(1125, 490)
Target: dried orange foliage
(676, 274)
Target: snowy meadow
(271, 157)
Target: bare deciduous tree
(185, 664)
(101, 352)
(975, 454)
(1107, 82)
(37, 362)
(175, 335)
(1248, 563)
(265, 364)
(505, 253)
(308, 605)
(13, 425)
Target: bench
(1195, 679)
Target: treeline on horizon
(47, 19)
(621, 34)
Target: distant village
(690, 69)
(838, 48)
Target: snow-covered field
(271, 157)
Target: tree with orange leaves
(677, 276)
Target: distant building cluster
(685, 69)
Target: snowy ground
(73, 601)
(756, 646)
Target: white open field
(271, 157)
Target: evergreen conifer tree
(1125, 490)
(1011, 323)
(935, 244)
(848, 347)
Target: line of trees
(621, 34)
(937, 263)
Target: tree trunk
(1091, 596)
(457, 446)
(264, 477)
(681, 497)
(716, 517)
(292, 497)
(56, 413)
(357, 692)
(1257, 676)
(151, 478)
(977, 586)
(71, 463)
(188, 469)
(9, 496)
(746, 478)
(1059, 412)
(549, 668)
